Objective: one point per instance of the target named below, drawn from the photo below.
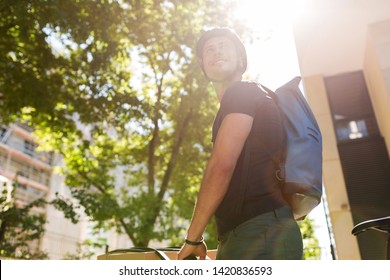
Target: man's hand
(187, 250)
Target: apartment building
(30, 172)
(19, 159)
(343, 50)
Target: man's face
(220, 59)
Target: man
(253, 219)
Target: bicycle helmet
(231, 35)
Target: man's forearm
(230, 140)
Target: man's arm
(228, 145)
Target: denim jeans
(273, 235)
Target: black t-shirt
(262, 189)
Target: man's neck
(221, 86)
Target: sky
(272, 58)
(272, 61)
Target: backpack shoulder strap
(278, 161)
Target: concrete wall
(337, 198)
(377, 74)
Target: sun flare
(265, 13)
(272, 55)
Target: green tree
(55, 57)
(311, 249)
(114, 88)
(87, 249)
(20, 227)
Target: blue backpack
(300, 168)
(302, 180)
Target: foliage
(19, 227)
(311, 249)
(86, 249)
(114, 88)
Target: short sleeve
(241, 97)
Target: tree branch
(170, 167)
(175, 152)
(121, 221)
(155, 135)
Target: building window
(3, 160)
(351, 129)
(3, 131)
(29, 148)
(350, 103)
(26, 193)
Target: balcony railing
(26, 193)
